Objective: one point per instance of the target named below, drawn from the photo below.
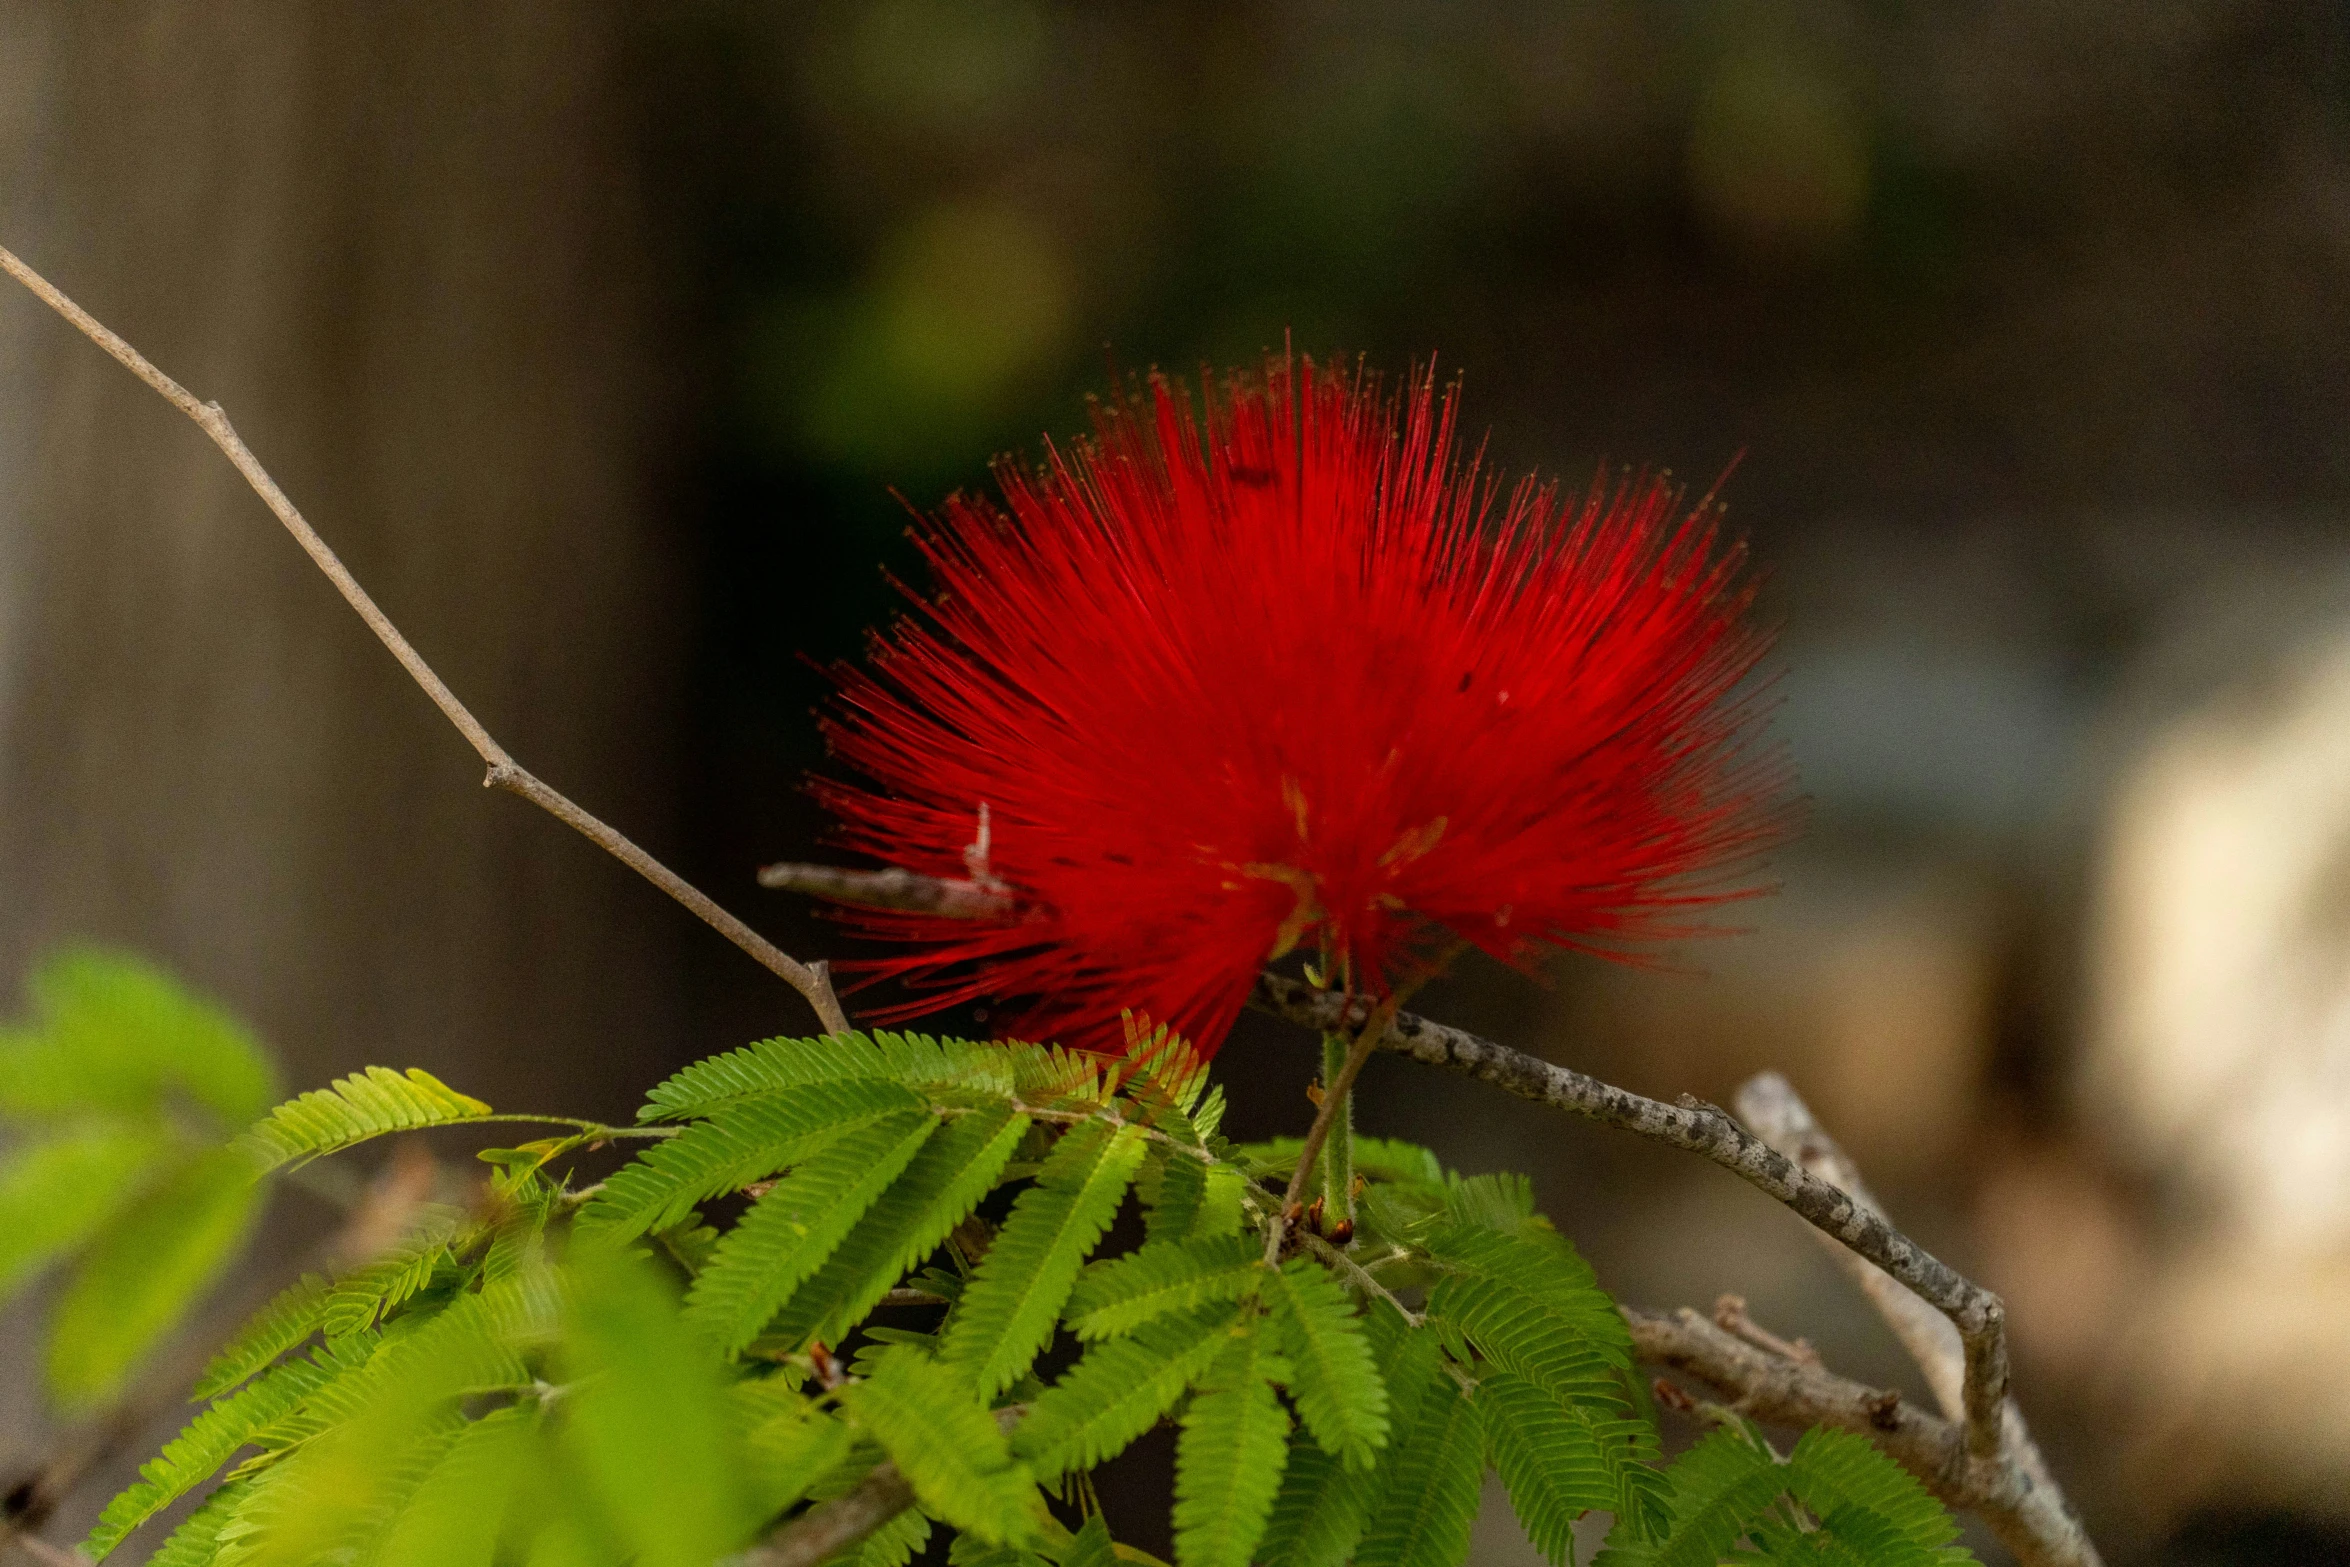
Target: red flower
(1299, 673)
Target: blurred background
(611, 343)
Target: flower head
(1288, 669)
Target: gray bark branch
(1703, 1129)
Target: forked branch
(811, 980)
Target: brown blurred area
(597, 337)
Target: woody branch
(811, 980)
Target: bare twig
(811, 980)
(948, 897)
(1730, 1316)
(2028, 1515)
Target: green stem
(1337, 1170)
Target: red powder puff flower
(1295, 672)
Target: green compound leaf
(196, 1542)
(1427, 1487)
(1229, 1458)
(743, 1143)
(1319, 1515)
(359, 1297)
(946, 1444)
(647, 1417)
(1119, 1391)
(1121, 1293)
(59, 1191)
(790, 1232)
(939, 1188)
(790, 1444)
(1554, 1459)
(291, 1316)
(1719, 1487)
(1333, 1377)
(192, 1457)
(1008, 1310)
(1186, 1200)
(353, 1109)
(143, 1273)
(113, 1033)
(1863, 1496)
(774, 1067)
(1533, 1307)
(457, 1513)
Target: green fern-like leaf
(1008, 1310)
(1229, 1457)
(789, 1444)
(1318, 1517)
(1427, 1487)
(457, 1513)
(775, 1067)
(790, 1232)
(1532, 1306)
(291, 1316)
(114, 1034)
(1186, 1200)
(196, 1542)
(192, 1457)
(59, 1191)
(955, 1169)
(1844, 1479)
(1122, 1293)
(1502, 1202)
(144, 1272)
(405, 1267)
(373, 1436)
(1091, 1546)
(1334, 1379)
(947, 1445)
(647, 1420)
(1718, 1489)
(744, 1142)
(893, 1544)
(1550, 1456)
(1119, 1390)
(353, 1109)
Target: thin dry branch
(811, 980)
(2024, 1511)
(948, 897)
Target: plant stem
(1338, 1148)
(1334, 1098)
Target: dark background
(611, 344)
